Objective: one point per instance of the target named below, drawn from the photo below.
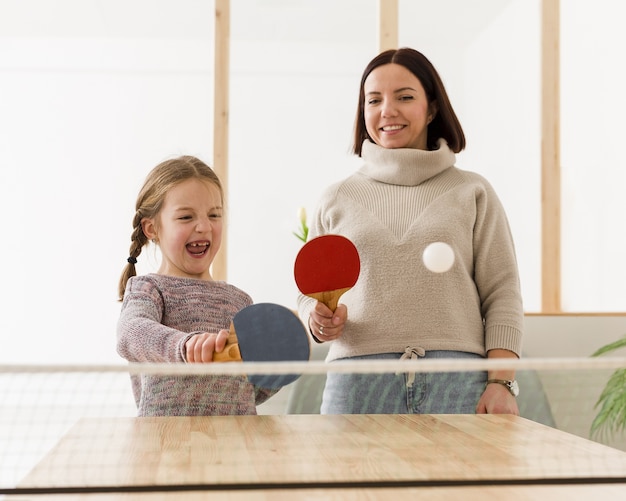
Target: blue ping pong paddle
(266, 332)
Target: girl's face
(189, 229)
(396, 109)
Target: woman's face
(396, 109)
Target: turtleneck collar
(405, 166)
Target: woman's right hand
(325, 324)
(200, 348)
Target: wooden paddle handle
(329, 298)
(231, 352)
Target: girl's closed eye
(215, 213)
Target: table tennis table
(372, 456)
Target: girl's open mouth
(198, 248)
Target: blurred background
(95, 93)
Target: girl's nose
(204, 225)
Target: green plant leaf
(299, 236)
(611, 417)
(620, 343)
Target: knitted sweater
(159, 314)
(396, 204)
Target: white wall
(89, 103)
(94, 93)
(594, 174)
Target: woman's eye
(406, 98)
(373, 101)
(184, 218)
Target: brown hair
(150, 200)
(445, 124)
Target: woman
(408, 194)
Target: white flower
(303, 231)
(302, 215)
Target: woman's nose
(389, 108)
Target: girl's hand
(200, 348)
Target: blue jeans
(388, 393)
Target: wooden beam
(387, 24)
(220, 120)
(550, 159)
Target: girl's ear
(149, 228)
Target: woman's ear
(433, 108)
(149, 228)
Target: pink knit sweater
(159, 314)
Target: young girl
(180, 314)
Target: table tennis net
(39, 404)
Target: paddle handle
(329, 298)
(231, 352)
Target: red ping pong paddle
(266, 332)
(326, 267)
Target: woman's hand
(497, 399)
(326, 325)
(200, 348)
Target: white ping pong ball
(438, 257)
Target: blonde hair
(150, 200)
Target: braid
(138, 240)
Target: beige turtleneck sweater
(396, 204)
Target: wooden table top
(365, 456)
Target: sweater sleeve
(496, 274)
(141, 337)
